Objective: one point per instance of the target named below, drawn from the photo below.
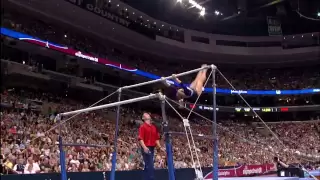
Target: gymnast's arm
(176, 79)
(164, 81)
(178, 82)
(283, 164)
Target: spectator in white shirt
(46, 150)
(75, 161)
(31, 167)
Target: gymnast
(182, 91)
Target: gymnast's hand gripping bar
(143, 98)
(169, 77)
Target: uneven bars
(169, 77)
(151, 96)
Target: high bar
(151, 96)
(169, 77)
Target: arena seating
(24, 138)
(257, 78)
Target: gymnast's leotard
(189, 92)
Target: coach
(149, 139)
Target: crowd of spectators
(254, 78)
(29, 143)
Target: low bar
(143, 98)
(199, 136)
(169, 77)
(85, 145)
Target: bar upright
(215, 170)
(114, 154)
(167, 139)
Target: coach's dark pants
(148, 164)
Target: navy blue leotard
(189, 92)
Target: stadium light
(195, 4)
(216, 12)
(203, 12)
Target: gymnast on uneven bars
(182, 91)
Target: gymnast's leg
(198, 82)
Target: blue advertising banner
(106, 62)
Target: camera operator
(279, 164)
(286, 170)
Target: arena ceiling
(233, 14)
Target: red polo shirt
(149, 134)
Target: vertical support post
(114, 154)
(167, 139)
(62, 154)
(215, 169)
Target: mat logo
(223, 173)
(247, 171)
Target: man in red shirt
(149, 139)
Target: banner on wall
(243, 170)
(274, 26)
(100, 10)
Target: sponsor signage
(87, 5)
(274, 27)
(80, 55)
(243, 170)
